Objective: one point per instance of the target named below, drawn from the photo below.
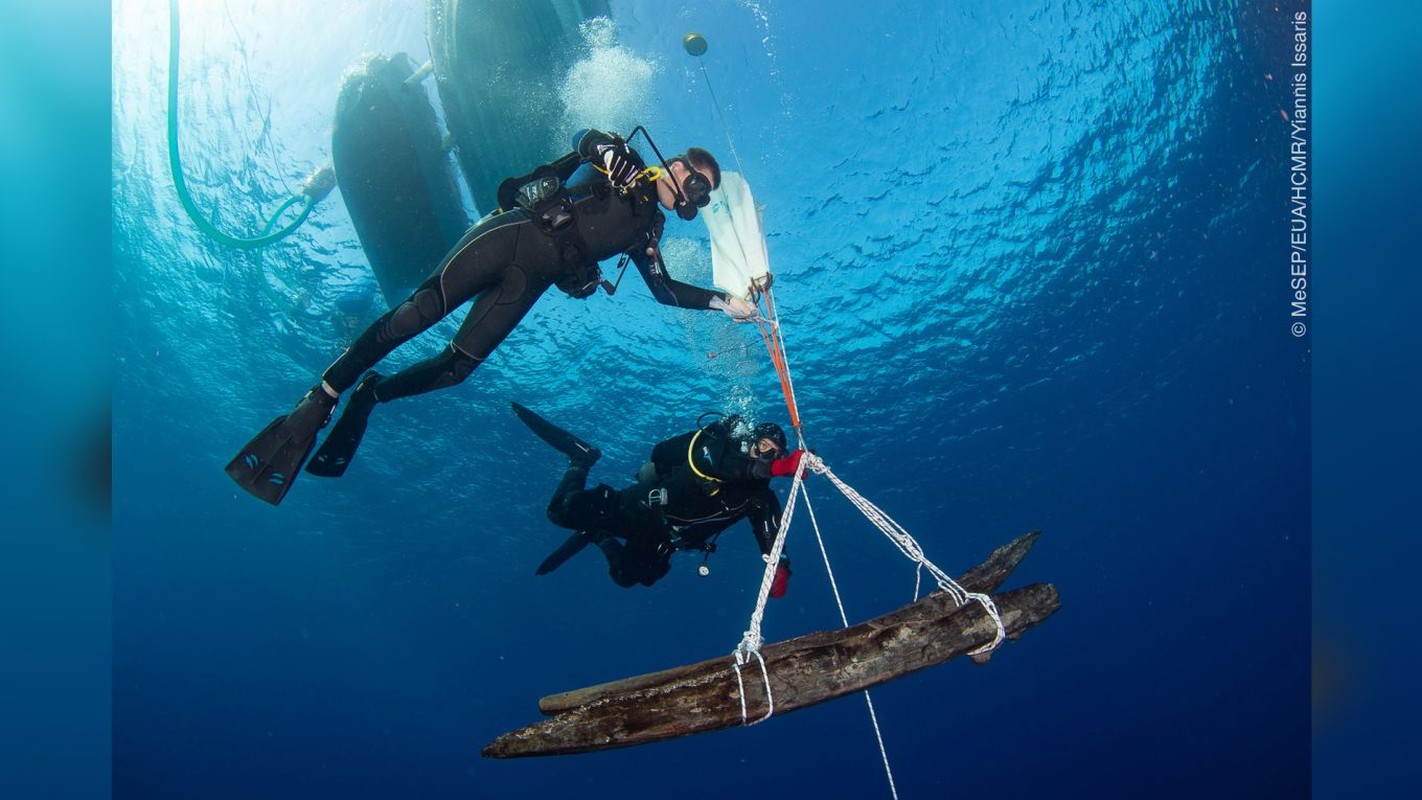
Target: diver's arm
(765, 521)
(586, 141)
(736, 466)
(611, 156)
(673, 451)
(665, 457)
(764, 518)
(739, 467)
(666, 289)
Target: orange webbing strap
(769, 326)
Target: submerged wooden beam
(802, 671)
(984, 578)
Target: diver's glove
(738, 309)
(786, 467)
(619, 164)
(781, 584)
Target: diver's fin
(270, 462)
(341, 444)
(578, 451)
(565, 551)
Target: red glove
(781, 583)
(785, 467)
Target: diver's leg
(575, 479)
(629, 564)
(618, 566)
(493, 320)
(344, 440)
(268, 464)
(481, 262)
(426, 306)
(586, 511)
(655, 571)
(581, 509)
(406, 321)
(651, 544)
(495, 314)
(473, 265)
(577, 450)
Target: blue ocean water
(1030, 259)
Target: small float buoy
(694, 43)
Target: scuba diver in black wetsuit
(697, 485)
(555, 225)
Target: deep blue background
(1030, 259)
(1364, 433)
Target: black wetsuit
(505, 263)
(699, 491)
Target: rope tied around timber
(770, 330)
(752, 639)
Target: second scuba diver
(696, 485)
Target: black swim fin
(340, 447)
(565, 551)
(578, 451)
(270, 462)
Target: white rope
(824, 554)
(751, 640)
(741, 689)
(910, 548)
(844, 619)
(724, 127)
(883, 754)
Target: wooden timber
(984, 578)
(803, 671)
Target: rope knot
(749, 646)
(743, 654)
